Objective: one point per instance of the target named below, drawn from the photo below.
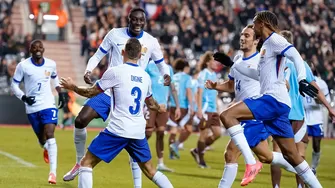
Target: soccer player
(99, 106)
(246, 87)
(314, 119)
(36, 72)
(182, 82)
(207, 109)
(157, 120)
(274, 100)
(131, 87)
(188, 126)
(296, 115)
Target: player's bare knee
(80, 122)
(49, 134)
(226, 117)
(160, 135)
(264, 159)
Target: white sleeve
(251, 73)
(231, 74)
(293, 55)
(17, 78)
(104, 47)
(54, 77)
(149, 94)
(108, 80)
(324, 88)
(158, 58)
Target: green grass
(22, 143)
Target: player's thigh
(106, 146)
(297, 125)
(139, 150)
(161, 120)
(232, 153)
(95, 107)
(49, 120)
(150, 117)
(238, 111)
(263, 153)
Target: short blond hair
(288, 35)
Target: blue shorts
(272, 113)
(315, 130)
(254, 132)
(41, 118)
(106, 146)
(101, 104)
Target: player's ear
(256, 42)
(123, 52)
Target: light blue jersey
(297, 108)
(159, 91)
(208, 95)
(182, 82)
(195, 87)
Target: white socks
(85, 179)
(237, 136)
(52, 153)
(161, 180)
(229, 175)
(279, 160)
(315, 160)
(80, 141)
(306, 174)
(137, 173)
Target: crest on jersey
(47, 73)
(263, 52)
(144, 50)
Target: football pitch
(22, 165)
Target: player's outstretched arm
(227, 86)
(324, 100)
(153, 105)
(89, 92)
(251, 73)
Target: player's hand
(61, 100)
(199, 114)
(161, 108)
(307, 88)
(191, 111)
(167, 80)
(67, 83)
(332, 115)
(223, 59)
(210, 85)
(30, 100)
(87, 77)
(177, 114)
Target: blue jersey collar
(130, 35)
(37, 65)
(247, 58)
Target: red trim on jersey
(113, 98)
(278, 63)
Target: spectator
(38, 17)
(83, 38)
(61, 22)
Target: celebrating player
(296, 115)
(207, 109)
(157, 120)
(274, 100)
(99, 106)
(131, 87)
(246, 87)
(37, 72)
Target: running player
(296, 115)
(254, 130)
(99, 106)
(182, 82)
(157, 120)
(207, 109)
(314, 119)
(131, 87)
(36, 72)
(274, 100)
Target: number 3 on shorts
(135, 109)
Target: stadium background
(185, 29)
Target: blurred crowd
(13, 46)
(188, 28)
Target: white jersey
(313, 110)
(245, 87)
(271, 68)
(115, 41)
(37, 82)
(130, 86)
